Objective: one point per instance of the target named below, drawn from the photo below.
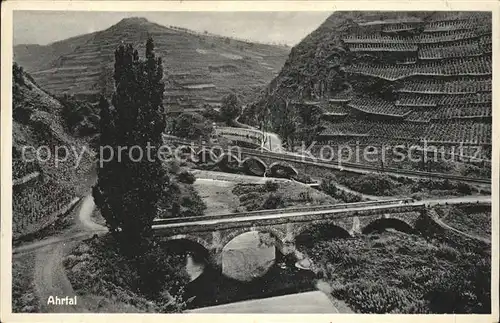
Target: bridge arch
(206, 156)
(278, 236)
(248, 254)
(254, 166)
(185, 244)
(229, 161)
(187, 238)
(307, 235)
(282, 169)
(381, 224)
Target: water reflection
(252, 267)
(248, 256)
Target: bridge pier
(356, 227)
(216, 249)
(288, 248)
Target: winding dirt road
(49, 275)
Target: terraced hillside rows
(377, 77)
(41, 185)
(200, 68)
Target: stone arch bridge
(259, 162)
(212, 233)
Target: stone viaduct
(212, 233)
(260, 162)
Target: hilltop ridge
(199, 68)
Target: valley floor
(380, 272)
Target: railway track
(342, 165)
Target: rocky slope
(42, 185)
(200, 68)
(380, 76)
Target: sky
(44, 27)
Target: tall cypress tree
(130, 187)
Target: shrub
(303, 178)
(192, 126)
(186, 177)
(231, 107)
(327, 185)
(273, 201)
(305, 196)
(467, 290)
(349, 197)
(271, 186)
(464, 188)
(377, 297)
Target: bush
(371, 184)
(79, 116)
(377, 297)
(183, 201)
(349, 197)
(328, 185)
(464, 188)
(186, 177)
(273, 201)
(305, 196)
(231, 108)
(303, 178)
(466, 290)
(271, 186)
(191, 126)
(154, 282)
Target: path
(471, 236)
(439, 221)
(314, 302)
(83, 227)
(364, 196)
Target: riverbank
(395, 272)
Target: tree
(287, 128)
(191, 126)
(231, 107)
(132, 181)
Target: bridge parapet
(339, 206)
(214, 234)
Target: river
(252, 267)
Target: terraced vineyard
(42, 187)
(383, 77)
(200, 68)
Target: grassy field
(279, 195)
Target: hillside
(379, 77)
(199, 68)
(34, 57)
(41, 186)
